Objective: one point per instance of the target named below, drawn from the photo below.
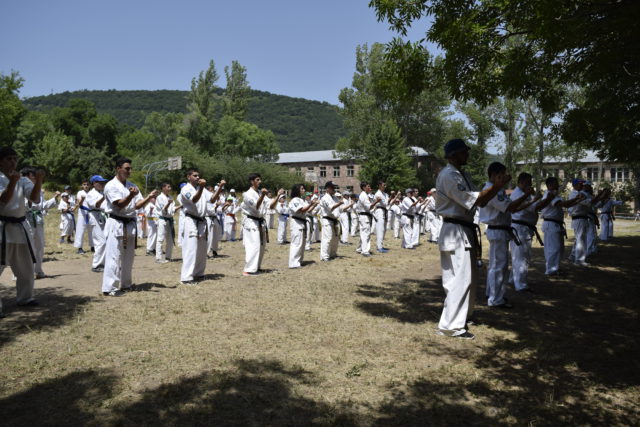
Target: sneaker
(113, 293)
(40, 275)
(464, 336)
(97, 269)
(383, 250)
(582, 264)
(161, 261)
(81, 251)
(61, 240)
(366, 255)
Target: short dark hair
(495, 167)
(550, 180)
(295, 190)
(524, 176)
(253, 176)
(121, 161)
(381, 181)
(190, 171)
(6, 152)
(164, 184)
(363, 184)
(27, 170)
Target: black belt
(509, 229)
(475, 228)
(368, 214)
(333, 220)
(580, 217)
(303, 221)
(126, 220)
(560, 223)
(198, 219)
(262, 224)
(531, 227)
(34, 217)
(410, 217)
(3, 244)
(171, 222)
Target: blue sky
(299, 48)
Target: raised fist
(14, 176)
(264, 191)
(222, 183)
(154, 193)
(170, 201)
(202, 182)
(280, 192)
(133, 190)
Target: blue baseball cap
(454, 146)
(577, 181)
(97, 178)
(182, 184)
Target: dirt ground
(349, 342)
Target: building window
(310, 168)
(299, 171)
(593, 174)
(555, 172)
(619, 174)
(336, 171)
(323, 171)
(350, 170)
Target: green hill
(299, 124)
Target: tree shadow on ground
(56, 309)
(570, 344)
(75, 399)
(254, 392)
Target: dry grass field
(350, 342)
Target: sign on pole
(174, 163)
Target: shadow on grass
(55, 309)
(572, 342)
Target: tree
(246, 140)
(11, 109)
(201, 127)
(592, 44)
(236, 96)
(57, 155)
(482, 122)
(33, 128)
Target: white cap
(232, 191)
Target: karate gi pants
(606, 227)
(19, 259)
(364, 247)
(152, 234)
(38, 247)
(553, 246)
(592, 241)
(229, 228)
(82, 226)
(118, 261)
(434, 226)
(396, 228)
(215, 232)
(298, 242)
(180, 228)
(355, 221)
(99, 245)
(415, 234)
(381, 227)
(329, 240)
(67, 225)
(194, 249)
(521, 256)
(498, 271)
(579, 250)
(407, 232)
(344, 225)
(164, 235)
(459, 278)
(309, 237)
(282, 230)
(254, 245)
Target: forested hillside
(298, 124)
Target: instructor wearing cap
(456, 201)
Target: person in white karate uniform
(594, 223)
(407, 218)
(456, 201)
(434, 221)
(254, 230)
(381, 213)
(230, 220)
(213, 220)
(355, 224)
(151, 216)
(397, 214)
(329, 211)
(553, 225)
(35, 214)
(364, 207)
(193, 198)
(123, 200)
(497, 215)
(418, 217)
(16, 246)
(345, 212)
(82, 224)
(97, 218)
(607, 206)
(166, 209)
(524, 222)
(580, 222)
(298, 224)
(282, 209)
(67, 220)
(311, 220)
